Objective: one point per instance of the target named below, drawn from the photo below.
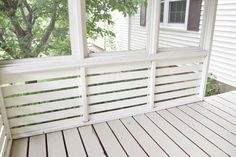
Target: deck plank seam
(167, 135)
(117, 138)
(215, 106)
(214, 121)
(217, 114)
(226, 99)
(82, 142)
(64, 141)
(223, 103)
(134, 138)
(150, 136)
(199, 133)
(100, 142)
(206, 126)
(184, 135)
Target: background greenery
(37, 28)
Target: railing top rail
(120, 58)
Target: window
(34, 29)
(174, 13)
(162, 12)
(177, 10)
(112, 24)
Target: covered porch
(200, 129)
(146, 102)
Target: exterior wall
(224, 44)
(223, 60)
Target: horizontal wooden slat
(46, 127)
(177, 78)
(175, 94)
(44, 117)
(179, 62)
(177, 102)
(117, 86)
(41, 86)
(178, 69)
(119, 113)
(28, 99)
(116, 96)
(117, 77)
(8, 77)
(24, 110)
(118, 68)
(118, 104)
(176, 86)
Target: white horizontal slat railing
(47, 100)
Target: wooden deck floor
(196, 130)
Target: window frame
(166, 24)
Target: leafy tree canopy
(34, 28)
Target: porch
(199, 129)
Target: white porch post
(77, 16)
(209, 16)
(153, 26)
(4, 115)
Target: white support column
(77, 18)
(84, 94)
(209, 16)
(4, 115)
(153, 26)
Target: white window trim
(166, 24)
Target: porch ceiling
(201, 129)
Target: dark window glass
(177, 10)
(162, 12)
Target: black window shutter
(194, 15)
(143, 12)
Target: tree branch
(49, 30)
(4, 46)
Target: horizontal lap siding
(224, 46)
(224, 43)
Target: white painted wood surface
(190, 130)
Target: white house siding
(138, 35)
(121, 28)
(223, 58)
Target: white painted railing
(51, 99)
(5, 134)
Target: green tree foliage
(34, 28)
(213, 87)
